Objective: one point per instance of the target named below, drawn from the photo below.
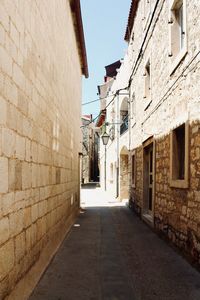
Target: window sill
(178, 60)
(181, 184)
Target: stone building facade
(42, 59)
(90, 150)
(157, 86)
(85, 170)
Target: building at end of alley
(152, 115)
(42, 60)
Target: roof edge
(77, 17)
(131, 18)
(101, 118)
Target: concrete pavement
(110, 254)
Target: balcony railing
(124, 125)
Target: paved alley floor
(110, 254)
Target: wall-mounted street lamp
(105, 138)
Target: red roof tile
(131, 18)
(78, 25)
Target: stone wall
(136, 193)
(174, 100)
(85, 150)
(177, 210)
(124, 179)
(39, 137)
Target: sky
(104, 23)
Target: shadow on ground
(110, 254)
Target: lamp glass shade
(105, 138)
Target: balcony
(124, 125)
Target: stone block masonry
(39, 137)
(165, 122)
(136, 193)
(176, 211)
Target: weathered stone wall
(86, 151)
(124, 179)
(40, 78)
(136, 193)
(177, 210)
(174, 99)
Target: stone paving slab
(112, 255)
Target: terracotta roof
(111, 70)
(78, 25)
(131, 18)
(101, 118)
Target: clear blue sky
(104, 24)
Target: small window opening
(179, 153)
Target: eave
(131, 18)
(101, 118)
(78, 25)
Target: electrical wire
(99, 99)
(114, 95)
(135, 64)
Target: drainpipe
(118, 129)
(129, 141)
(105, 170)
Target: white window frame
(176, 58)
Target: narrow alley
(111, 254)
(99, 150)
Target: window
(147, 80)
(133, 169)
(178, 36)
(179, 157)
(124, 116)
